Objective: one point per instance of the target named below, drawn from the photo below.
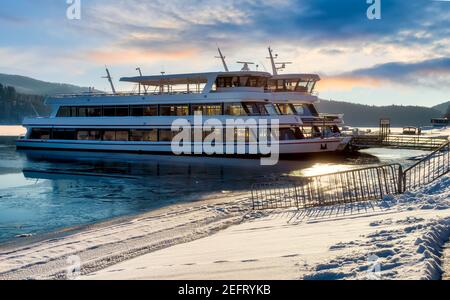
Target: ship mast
(108, 76)
(223, 60)
(272, 61)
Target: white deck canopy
(202, 82)
(193, 78)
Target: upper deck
(212, 82)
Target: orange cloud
(132, 56)
(346, 83)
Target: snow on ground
(111, 242)
(401, 235)
(224, 239)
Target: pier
(384, 138)
(397, 141)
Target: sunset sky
(404, 58)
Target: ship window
(243, 81)
(64, 134)
(88, 135)
(224, 82)
(313, 110)
(64, 112)
(144, 135)
(40, 134)
(285, 109)
(122, 111)
(255, 109)
(109, 135)
(174, 110)
(83, 135)
(136, 110)
(234, 109)
(271, 110)
(287, 134)
(73, 112)
(95, 135)
(207, 109)
(165, 135)
(122, 135)
(306, 110)
(150, 110)
(82, 111)
(109, 111)
(95, 111)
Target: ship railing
(132, 93)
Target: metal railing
(352, 186)
(415, 142)
(338, 188)
(428, 169)
(399, 141)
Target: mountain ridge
(31, 86)
(367, 115)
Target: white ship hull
(285, 147)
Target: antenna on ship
(223, 60)
(282, 65)
(108, 76)
(245, 65)
(272, 60)
(277, 66)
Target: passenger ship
(141, 121)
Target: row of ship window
(214, 109)
(154, 135)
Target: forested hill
(27, 85)
(15, 106)
(366, 115)
(443, 107)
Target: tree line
(15, 106)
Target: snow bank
(398, 238)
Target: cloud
(336, 27)
(135, 56)
(433, 73)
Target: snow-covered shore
(108, 243)
(402, 236)
(224, 239)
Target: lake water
(42, 191)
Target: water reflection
(61, 189)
